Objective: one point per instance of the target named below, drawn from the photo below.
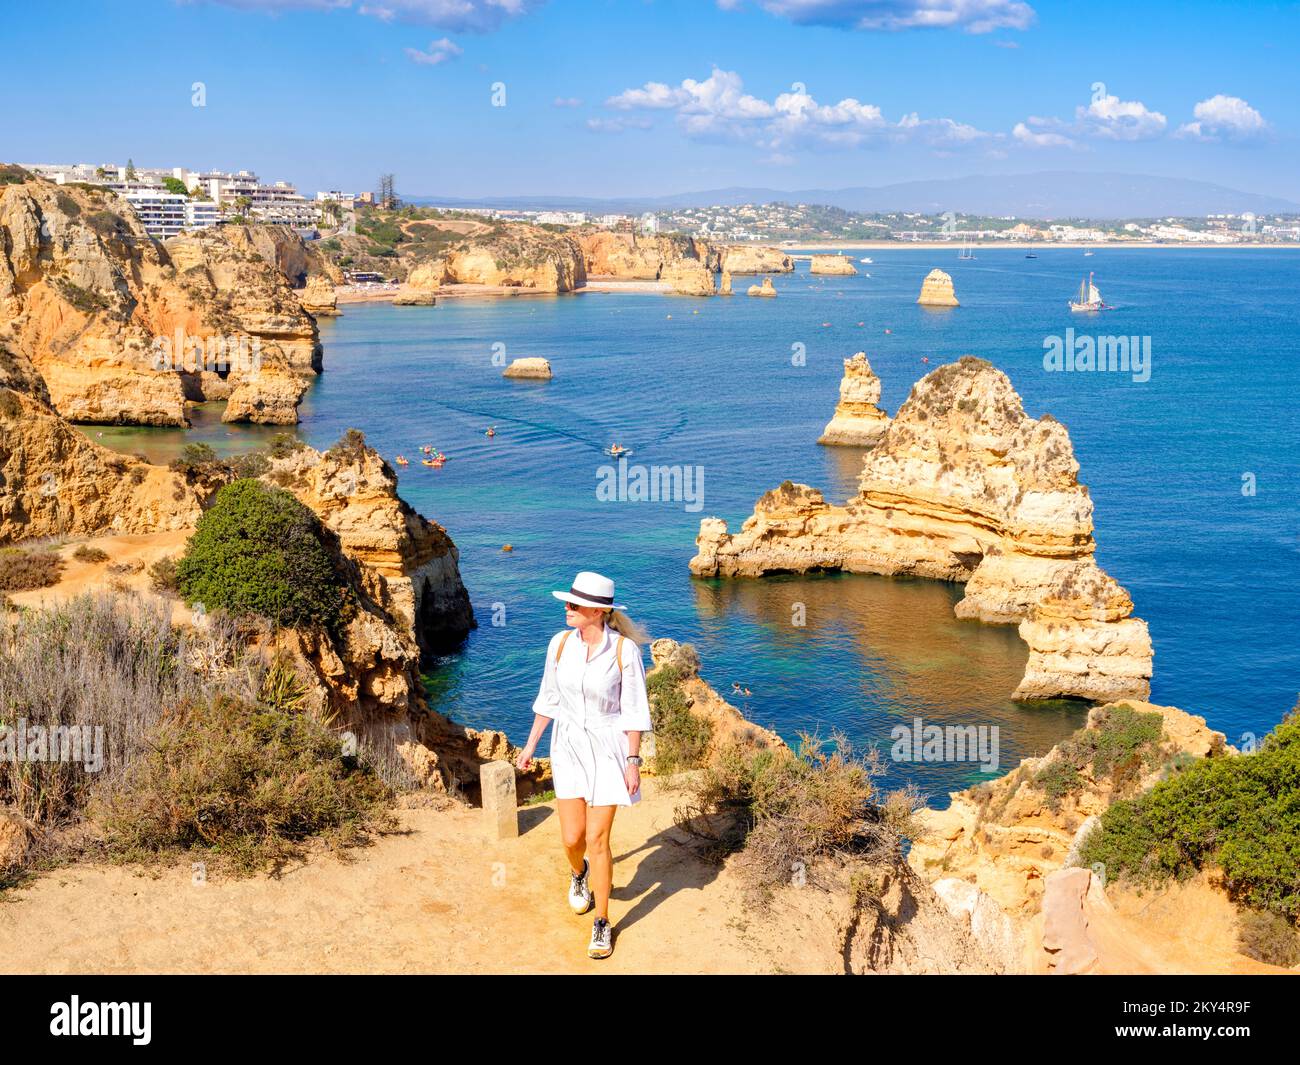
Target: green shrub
(21, 571)
(1268, 937)
(85, 553)
(681, 738)
(1240, 813)
(350, 447)
(257, 550)
(162, 576)
(249, 464)
(283, 445)
(245, 783)
(198, 459)
(1120, 746)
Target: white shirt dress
(594, 707)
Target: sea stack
(832, 264)
(964, 486)
(688, 277)
(319, 298)
(725, 287)
(529, 369)
(415, 297)
(857, 422)
(765, 289)
(936, 290)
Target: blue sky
(649, 97)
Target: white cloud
(1123, 120)
(1024, 135)
(567, 101)
(440, 51)
(719, 108)
(1227, 118)
(973, 16)
(478, 16)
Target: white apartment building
(161, 213)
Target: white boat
(864, 260)
(1088, 298)
(967, 251)
(1088, 252)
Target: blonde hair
(625, 626)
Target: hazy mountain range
(1048, 194)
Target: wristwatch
(634, 759)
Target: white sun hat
(590, 589)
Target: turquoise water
(1215, 573)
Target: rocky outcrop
(689, 277)
(750, 259)
(858, 421)
(724, 288)
(512, 256)
(728, 725)
(319, 298)
(269, 396)
(645, 258)
(298, 260)
(54, 481)
(533, 369)
(1006, 837)
(414, 297)
(964, 486)
(832, 264)
(936, 290)
(765, 289)
(123, 329)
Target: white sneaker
(580, 900)
(602, 939)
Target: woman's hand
(524, 760)
(632, 778)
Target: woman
(593, 688)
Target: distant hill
(1047, 194)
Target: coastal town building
(161, 213)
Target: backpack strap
(560, 650)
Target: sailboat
(1087, 298)
(967, 252)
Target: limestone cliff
(512, 255)
(689, 277)
(319, 298)
(832, 264)
(54, 481)
(750, 259)
(648, 258)
(299, 261)
(937, 291)
(858, 421)
(123, 329)
(964, 486)
(1008, 835)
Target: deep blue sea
(711, 383)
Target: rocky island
(858, 421)
(937, 291)
(964, 486)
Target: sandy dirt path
(437, 897)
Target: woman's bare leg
(573, 830)
(600, 819)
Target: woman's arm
(545, 706)
(634, 706)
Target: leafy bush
(248, 783)
(1239, 813)
(197, 459)
(1268, 937)
(258, 550)
(681, 738)
(86, 553)
(1120, 746)
(162, 576)
(350, 447)
(283, 445)
(21, 571)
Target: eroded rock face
(299, 261)
(858, 421)
(964, 486)
(1007, 837)
(609, 254)
(529, 369)
(689, 277)
(515, 256)
(765, 289)
(937, 291)
(110, 318)
(319, 298)
(56, 482)
(832, 264)
(751, 259)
